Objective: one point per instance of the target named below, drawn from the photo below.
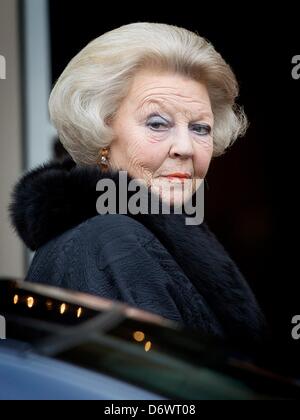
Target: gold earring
(103, 160)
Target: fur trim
(53, 198)
(56, 197)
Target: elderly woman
(157, 102)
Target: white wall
(25, 132)
(11, 249)
(39, 132)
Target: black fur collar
(58, 196)
(55, 197)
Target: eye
(155, 122)
(202, 129)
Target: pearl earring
(103, 160)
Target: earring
(103, 159)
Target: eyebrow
(160, 104)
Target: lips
(183, 175)
(177, 177)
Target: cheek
(140, 157)
(146, 150)
(139, 151)
(202, 161)
(153, 154)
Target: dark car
(62, 344)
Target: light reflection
(63, 308)
(16, 299)
(30, 302)
(49, 305)
(139, 336)
(148, 346)
(79, 312)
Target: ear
(109, 120)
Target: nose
(182, 145)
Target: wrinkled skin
(178, 137)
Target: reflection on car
(63, 344)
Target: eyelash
(201, 126)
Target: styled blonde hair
(94, 83)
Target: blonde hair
(94, 83)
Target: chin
(173, 197)
(175, 200)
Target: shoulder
(98, 240)
(108, 228)
(109, 231)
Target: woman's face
(164, 126)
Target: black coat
(153, 262)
